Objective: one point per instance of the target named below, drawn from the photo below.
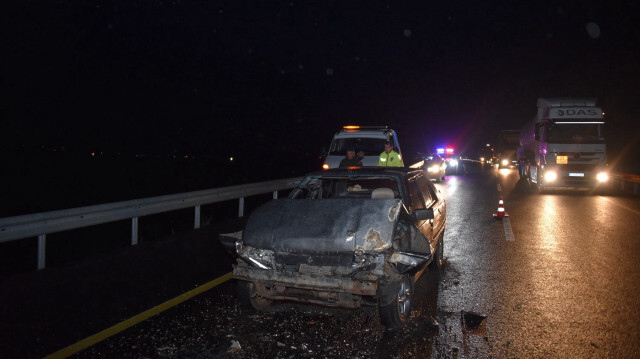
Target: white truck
(368, 139)
(564, 145)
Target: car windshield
(370, 146)
(344, 187)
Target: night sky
(270, 82)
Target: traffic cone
(501, 213)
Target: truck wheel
(398, 312)
(249, 297)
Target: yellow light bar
(351, 127)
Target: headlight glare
(550, 176)
(602, 177)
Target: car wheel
(398, 312)
(249, 297)
(438, 260)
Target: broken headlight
(261, 258)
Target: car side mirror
(423, 214)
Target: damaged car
(344, 237)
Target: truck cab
(564, 145)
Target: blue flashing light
(440, 151)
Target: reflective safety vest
(391, 159)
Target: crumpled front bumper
(306, 281)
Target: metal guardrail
(628, 182)
(41, 224)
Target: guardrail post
(134, 231)
(196, 220)
(42, 250)
(275, 194)
(241, 207)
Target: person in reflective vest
(390, 158)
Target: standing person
(350, 160)
(389, 157)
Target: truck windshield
(575, 133)
(370, 146)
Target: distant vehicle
(369, 139)
(564, 144)
(434, 167)
(344, 237)
(507, 150)
(451, 160)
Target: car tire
(249, 297)
(438, 257)
(397, 313)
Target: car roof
(373, 133)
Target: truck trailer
(564, 145)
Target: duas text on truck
(564, 145)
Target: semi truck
(506, 153)
(564, 145)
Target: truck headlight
(550, 176)
(505, 162)
(602, 177)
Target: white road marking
(621, 206)
(508, 233)
(506, 223)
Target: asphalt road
(559, 278)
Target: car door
(434, 202)
(418, 202)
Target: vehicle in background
(345, 237)
(564, 144)
(507, 150)
(434, 167)
(454, 165)
(485, 154)
(370, 139)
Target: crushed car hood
(323, 226)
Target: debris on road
(473, 323)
